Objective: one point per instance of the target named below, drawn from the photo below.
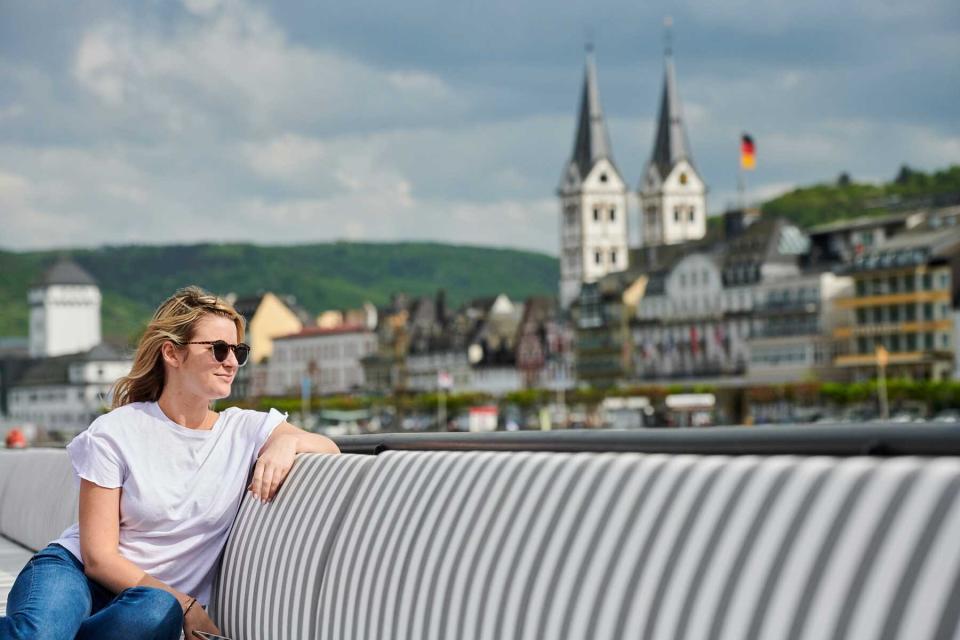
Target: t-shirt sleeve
(270, 421)
(96, 457)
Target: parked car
(947, 416)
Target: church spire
(671, 143)
(673, 196)
(592, 142)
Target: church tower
(64, 311)
(593, 200)
(673, 196)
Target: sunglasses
(221, 349)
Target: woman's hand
(272, 467)
(197, 619)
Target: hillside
(135, 279)
(845, 198)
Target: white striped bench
(513, 544)
(418, 545)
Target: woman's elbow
(327, 445)
(97, 564)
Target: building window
(927, 281)
(597, 257)
(895, 342)
(894, 284)
(861, 316)
(895, 313)
(911, 312)
(691, 214)
(676, 214)
(613, 215)
(911, 342)
(603, 177)
(908, 282)
(596, 214)
(861, 288)
(928, 339)
(862, 345)
(928, 311)
(613, 256)
(877, 315)
(944, 280)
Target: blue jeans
(52, 599)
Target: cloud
(232, 67)
(295, 122)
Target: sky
(286, 123)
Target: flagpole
(741, 198)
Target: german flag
(748, 158)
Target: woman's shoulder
(121, 417)
(253, 418)
(238, 414)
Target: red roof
(324, 331)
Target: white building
(711, 304)
(796, 318)
(69, 378)
(66, 393)
(593, 201)
(330, 357)
(673, 196)
(64, 311)
(689, 325)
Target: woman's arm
(305, 442)
(100, 543)
(276, 456)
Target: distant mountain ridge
(135, 279)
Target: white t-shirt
(181, 487)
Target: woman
(161, 478)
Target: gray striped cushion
(270, 576)
(40, 496)
(529, 545)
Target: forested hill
(847, 198)
(134, 279)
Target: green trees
(817, 204)
(135, 279)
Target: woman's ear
(170, 354)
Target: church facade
(594, 229)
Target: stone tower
(593, 200)
(64, 311)
(673, 196)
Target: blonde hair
(174, 321)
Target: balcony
(893, 358)
(892, 327)
(907, 297)
(788, 306)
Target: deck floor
(12, 559)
